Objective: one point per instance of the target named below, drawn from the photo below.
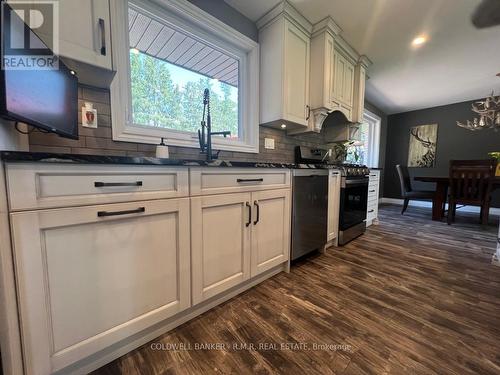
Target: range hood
(336, 127)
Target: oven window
(353, 205)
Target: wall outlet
(269, 143)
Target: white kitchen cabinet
(338, 75)
(284, 38)
(237, 236)
(84, 31)
(209, 180)
(45, 185)
(359, 92)
(220, 232)
(91, 276)
(333, 204)
(343, 83)
(373, 197)
(270, 230)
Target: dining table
(439, 199)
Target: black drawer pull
(113, 184)
(117, 213)
(249, 214)
(371, 211)
(240, 180)
(258, 212)
(371, 191)
(102, 30)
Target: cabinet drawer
(205, 181)
(32, 186)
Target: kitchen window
(366, 150)
(166, 55)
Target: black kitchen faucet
(206, 140)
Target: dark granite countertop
(42, 157)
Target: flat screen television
(46, 99)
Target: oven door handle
(356, 182)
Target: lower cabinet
(373, 196)
(270, 230)
(237, 236)
(220, 248)
(333, 204)
(91, 276)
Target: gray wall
(230, 16)
(453, 143)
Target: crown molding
(286, 10)
(326, 24)
(365, 61)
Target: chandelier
(489, 114)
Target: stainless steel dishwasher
(309, 210)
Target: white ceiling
(458, 62)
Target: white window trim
(374, 124)
(192, 18)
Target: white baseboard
(414, 203)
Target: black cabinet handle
(249, 214)
(371, 191)
(371, 211)
(241, 180)
(102, 30)
(117, 213)
(258, 212)
(112, 184)
(308, 112)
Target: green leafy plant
(494, 155)
(341, 150)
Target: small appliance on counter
(353, 191)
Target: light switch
(269, 143)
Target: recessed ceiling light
(419, 40)
(135, 51)
(283, 126)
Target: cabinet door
(333, 204)
(89, 277)
(348, 84)
(297, 49)
(338, 77)
(270, 229)
(84, 31)
(359, 97)
(220, 234)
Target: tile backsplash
(99, 141)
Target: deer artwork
(426, 160)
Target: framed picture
(422, 148)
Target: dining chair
(471, 185)
(407, 193)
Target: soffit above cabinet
(177, 47)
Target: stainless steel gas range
(353, 192)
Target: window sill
(189, 141)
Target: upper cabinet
(359, 89)
(284, 37)
(337, 76)
(84, 39)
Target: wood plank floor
(411, 296)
